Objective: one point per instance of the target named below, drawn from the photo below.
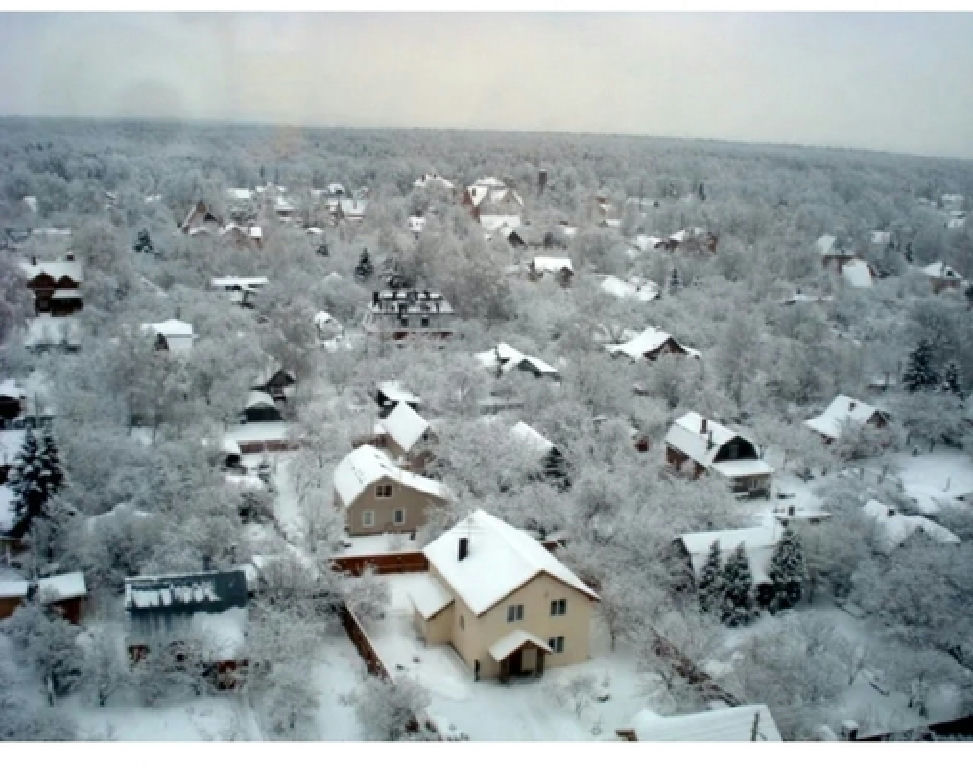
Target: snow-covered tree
(50, 645)
(787, 571)
(389, 710)
(738, 598)
(28, 480)
(711, 585)
(920, 373)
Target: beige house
(506, 605)
(377, 496)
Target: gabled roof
(857, 273)
(493, 221)
(353, 207)
(429, 596)
(9, 388)
(178, 335)
(938, 269)
(500, 560)
(729, 724)
(366, 465)
(687, 436)
(394, 391)
(648, 342)
(896, 528)
(404, 426)
(841, 408)
(257, 399)
(210, 591)
(432, 178)
(231, 281)
(503, 358)
(531, 437)
(64, 586)
(513, 641)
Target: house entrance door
(516, 662)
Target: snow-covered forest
(782, 277)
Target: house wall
(479, 633)
(675, 458)
(437, 629)
(415, 503)
(8, 605)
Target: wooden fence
(362, 644)
(686, 669)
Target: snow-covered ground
(382, 543)
(519, 711)
(933, 479)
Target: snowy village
(398, 435)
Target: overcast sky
(898, 82)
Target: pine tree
(674, 283)
(52, 476)
(919, 373)
(951, 379)
(27, 483)
(787, 571)
(711, 585)
(738, 607)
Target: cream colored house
(377, 496)
(506, 605)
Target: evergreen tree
(919, 373)
(951, 379)
(674, 283)
(28, 484)
(52, 476)
(711, 585)
(737, 607)
(787, 571)
(968, 293)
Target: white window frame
(368, 518)
(556, 644)
(395, 517)
(559, 607)
(515, 613)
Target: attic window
(851, 405)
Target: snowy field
(520, 711)
(934, 479)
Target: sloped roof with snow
(687, 436)
(938, 269)
(9, 388)
(404, 426)
(14, 588)
(64, 586)
(231, 281)
(729, 724)
(56, 269)
(758, 542)
(212, 591)
(500, 560)
(504, 358)
(6, 506)
(429, 596)
(857, 273)
(432, 178)
(841, 408)
(628, 289)
(896, 528)
(554, 264)
(647, 242)
(510, 642)
(494, 221)
(531, 437)
(365, 465)
(396, 392)
(259, 399)
(648, 342)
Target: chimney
(702, 426)
(69, 256)
(374, 297)
(849, 730)
(464, 548)
(33, 261)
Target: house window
(383, 491)
(557, 644)
(404, 322)
(461, 624)
(399, 516)
(424, 322)
(515, 613)
(559, 607)
(368, 518)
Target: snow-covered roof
(646, 343)
(323, 319)
(689, 232)
(643, 290)
(857, 273)
(118, 512)
(531, 437)
(394, 391)
(178, 334)
(239, 193)
(6, 505)
(353, 207)
(880, 237)
(514, 640)
(261, 399)
(429, 596)
(260, 432)
(231, 281)
(9, 388)
(500, 559)
(825, 244)
(14, 588)
(841, 408)
(245, 482)
(647, 242)
(65, 586)
(896, 528)
(725, 724)
(56, 269)
(688, 436)
(938, 269)
(404, 426)
(417, 223)
(283, 204)
(366, 464)
(432, 178)
(504, 358)
(759, 543)
(491, 222)
(553, 264)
